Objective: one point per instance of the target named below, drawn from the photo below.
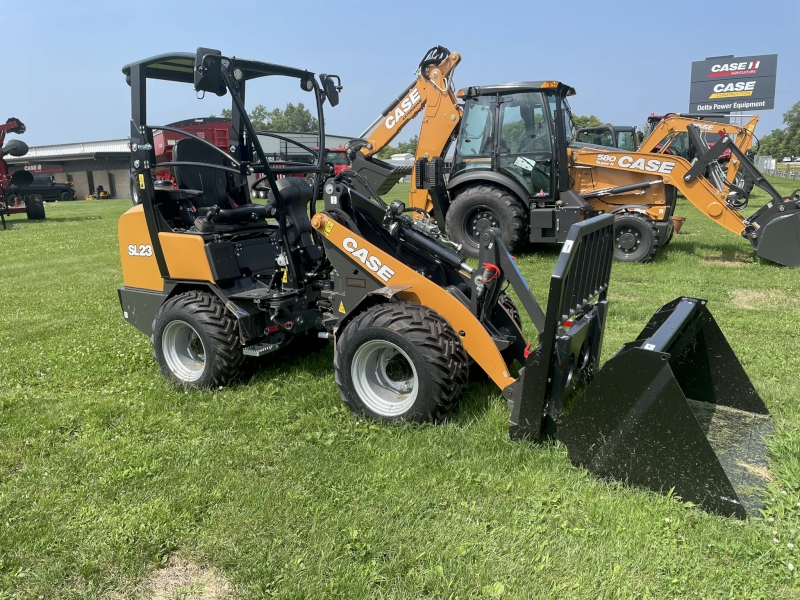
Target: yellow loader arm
(666, 132)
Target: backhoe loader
(516, 167)
(668, 135)
(216, 282)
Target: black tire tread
(431, 334)
(648, 222)
(219, 326)
(513, 207)
(34, 209)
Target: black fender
(382, 295)
(490, 177)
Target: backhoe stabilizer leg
(675, 410)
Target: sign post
(726, 84)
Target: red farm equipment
(13, 203)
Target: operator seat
(213, 184)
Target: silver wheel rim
(384, 378)
(183, 351)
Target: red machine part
(214, 129)
(12, 125)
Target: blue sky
(626, 59)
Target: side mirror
(639, 137)
(331, 87)
(208, 72)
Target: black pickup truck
(45, 186)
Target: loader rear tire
(481, 206)
(196, 341)
(34, 208)
(400, 362)
(635, 238)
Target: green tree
(410, 146)
(786, 141)
(297, 119)
(584, 121)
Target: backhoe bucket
(674, 411)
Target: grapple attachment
(672, 411)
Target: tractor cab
(517, 131)
(624, 137)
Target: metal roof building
(107, 162)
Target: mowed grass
(106, 470)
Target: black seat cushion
(213, 184)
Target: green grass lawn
(107, 471)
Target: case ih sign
(727, 84)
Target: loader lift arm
(664, 134)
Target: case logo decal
(373, 263)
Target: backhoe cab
(624, 137)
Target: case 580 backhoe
(217, 282)
(516, 167)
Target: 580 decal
(140, 250)
(638, 164)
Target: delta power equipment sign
(727, 84)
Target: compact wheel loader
(217, 281)
(517, 167)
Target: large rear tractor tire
(196, 342)
(34, 208)
(400, 362)
(481, 206)
(635, 238)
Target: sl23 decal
(140, 250)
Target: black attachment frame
(568, 353)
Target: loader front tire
(196, 342)
(400, 362)
(635, 238)
(481, 206)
